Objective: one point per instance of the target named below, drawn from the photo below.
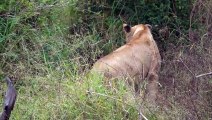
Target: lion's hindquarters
(133, 65)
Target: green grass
(49, 72)
(57, 97)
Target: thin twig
(141, 115)
(187, 67)
(204, 74)
(139, 104)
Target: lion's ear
(149, 26)
(126, 28)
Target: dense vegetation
(48, 47)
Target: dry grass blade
(204, 74)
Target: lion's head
(135, 31)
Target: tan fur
(139, 58)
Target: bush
(171, 14)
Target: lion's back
(125, 61)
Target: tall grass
(56, 97)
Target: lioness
(139, 58)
